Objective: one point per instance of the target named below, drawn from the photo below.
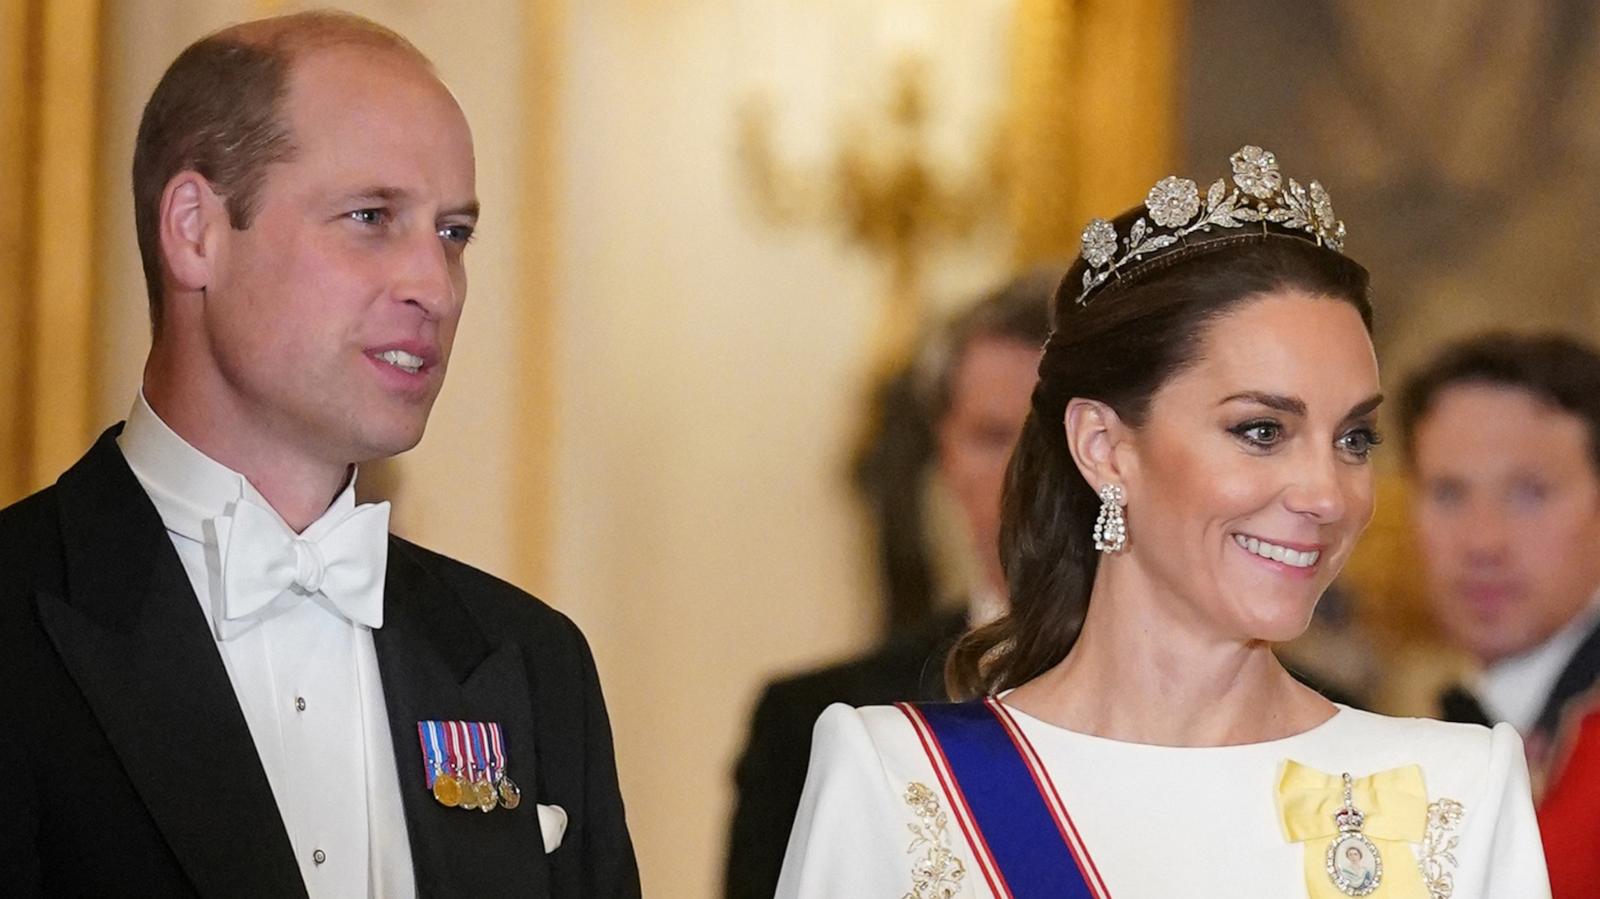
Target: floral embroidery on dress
(936, 871)
(1438, 848)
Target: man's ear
(192, 217)
(1095, 434)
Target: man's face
(330, 319)
(989, 394)
(1508, 517)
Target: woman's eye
(1259, 433)
(1360, 442)
(367, 216)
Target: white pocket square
(553, 825)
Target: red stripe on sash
(1047, 789)
(958, 803)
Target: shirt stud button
(299, 703)
(319, 856)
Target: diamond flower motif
(1173, 201)
(1176, 209)
(1256, 171)
(1099, 242)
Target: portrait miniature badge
(1352, 860)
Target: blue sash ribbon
(1005, 801)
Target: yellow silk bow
(1395, 804)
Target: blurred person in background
(1502, 437)
(980, 373)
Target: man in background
(224, 677)
(1502, 437)
(982, 377)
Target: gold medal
(447, 789)
(469, 796)
(485, 795)
(510, 796)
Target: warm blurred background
(713, 226)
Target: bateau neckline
(1341, 713)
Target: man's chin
(382, 443)
(1490, 648)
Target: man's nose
(424, 276)
(1484, 531)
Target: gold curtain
(49, 94)
(1095, 114)
(537, 422)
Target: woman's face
(1250, 481)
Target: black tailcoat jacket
(126, 765)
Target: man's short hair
(218, 112)
(1018, 311)
(1553, 368)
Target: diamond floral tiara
(1176, 210)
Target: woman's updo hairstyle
(1142, 322)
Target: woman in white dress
(1193, 474)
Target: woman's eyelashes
(1360, 441)
(1263, 434)
(1259, 433)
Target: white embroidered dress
(1158, 822)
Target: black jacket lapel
(136, 642)
(1580, 674)
(437, 664)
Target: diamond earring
(1111, 529)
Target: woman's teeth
(402, 360)
(1290, 557)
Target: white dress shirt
(306, 679)
(1516, 689)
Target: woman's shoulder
(881, 730)
(1447, 751)
(1427, 733)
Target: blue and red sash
(1021, 836)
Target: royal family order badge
(1352, 860)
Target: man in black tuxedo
(216, 662)
(982, 377)
(1502, 437)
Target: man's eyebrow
(468, 209)
(384, 194)
(397, 195)
(1287, 404)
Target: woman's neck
(1142, 674)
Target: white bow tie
(266, 569)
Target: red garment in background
(1569, 816)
